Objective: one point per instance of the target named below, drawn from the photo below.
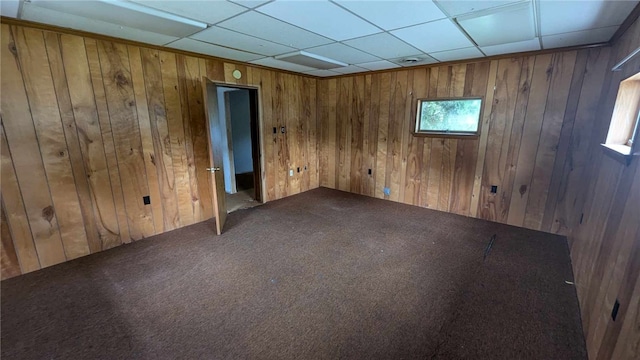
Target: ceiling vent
(410, 60)
(311, 60)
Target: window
(448, 117)
(623, 138)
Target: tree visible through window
(448, 116)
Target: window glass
(449, 116)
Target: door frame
(261, 189)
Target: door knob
(217, 168)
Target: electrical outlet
(146, 200)
(369, 171)
(494, 189)
(298, 169)
(614, 311)
(283, 130)
(291, 172)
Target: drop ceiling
(363, 35)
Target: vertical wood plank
(161, 142)
(357, 134)
(61, 86)
(22, 155)
(395, 133)
(343, 134)
(194, 191)
(386, 79)
(14, 209)
(97, 82)
(10, 266)
(575, 167)
(173, 111)
(199, 135)
(270, 134)
(146, 138)
(415, 146)
(492, 205)
(548, 145)
(565, 138)
(93, 167)
(372, 116)
(51, 140)
(530, 138)
(487, 118)
(331, 131)
(114, 61)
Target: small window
(622, 137)
(448, 117)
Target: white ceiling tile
(567, 16)
(268, 28)
(378, 65)
(458, 54)
(250, 3)
(210, 12)
(579, 37)
(383, 45)
(9, 8)
(200, 47)
(219, 36)
(435, 36)
(501, 26)
(422, 60)
(34, 13)
(459, 7)
(515, 47)
(279, 64)
(322, 73)
(391, 15)
(351, 69)
(342, 53)
(321, 17)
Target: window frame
(446, 134)
(623, 149)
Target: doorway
(238, 131)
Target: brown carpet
(320, 275)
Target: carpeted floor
(321, 275)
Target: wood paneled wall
(90, 127)
(530, 107)
(544, 118)
(605, 244)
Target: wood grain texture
(539, 144)
(10, 266)
(86, 123)
(94, 126)
(442, 173)
(118, 85)
(65, 106)
(45, 112)
(117, 197)
(13, 210)
(598, 209)
(24, 155)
